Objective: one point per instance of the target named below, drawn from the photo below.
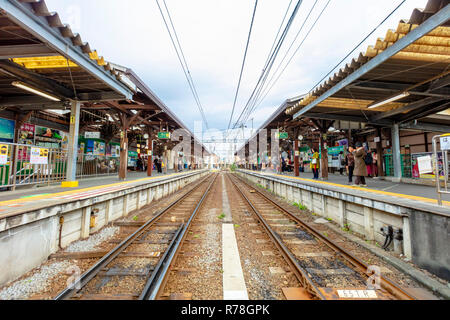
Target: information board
(39, 156)
(163, 135)
(92, 135)
(3, 153)
(425, 164)
(445, 142)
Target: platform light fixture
(391, 99)
(34, 90)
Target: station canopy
(404, 78)
(44, 65)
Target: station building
(89, 116)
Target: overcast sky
(213, 35)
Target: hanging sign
(163, 135)
(3, 153)
(92, 135)
(39, 156)
(282, 135)
(445, 142)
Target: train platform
(12, 202)
(426, 194)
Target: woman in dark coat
(360, 171)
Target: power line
(273, 55)
(288, 51)
(243, 63)
(293, 55)
(187, 68)
(182, 59)
(272, 48)
(255, 104)
(359, 44)
(341, 61)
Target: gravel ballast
(36, 283)
(93, 241)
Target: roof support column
(396, 156)
(296, 159)
(150, 153)
(323, 155)
(275, 153)
(72, 148)
(380, 153)
(123, 154)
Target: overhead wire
(243, 63)
(270, 86)
(342, 60)
(273, 55)
(287, 52)
(181, 58)
(359, 44)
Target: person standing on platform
(368, 160)
(315, 164)
(139, 164)
(350, 164)
(341, 160)
(375, 163)
(360, 165)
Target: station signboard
(163, 135)
(445, 142)
(92, 135)
(282, 135)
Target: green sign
(282, 135)
(163, 135)
(334, 151)
(304, 149)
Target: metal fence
(21, 165)
(24, 165)
(441, 164)
(96, 165)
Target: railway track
(324, 269)
(135, 269)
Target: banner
(99, 148)
(425, 165)
(39, 156)
(6, 130)
(26, 134)
(50, 138)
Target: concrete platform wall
(27, 239)
(426, 233)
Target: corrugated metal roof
(40, 9)
(34, 53)
(418, 62)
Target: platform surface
(426, 194)
(28, 199)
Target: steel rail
(157, 280)
(300, 273)
(86, 277)
(388, 285)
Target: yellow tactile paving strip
(53, 195)
(392, 194)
